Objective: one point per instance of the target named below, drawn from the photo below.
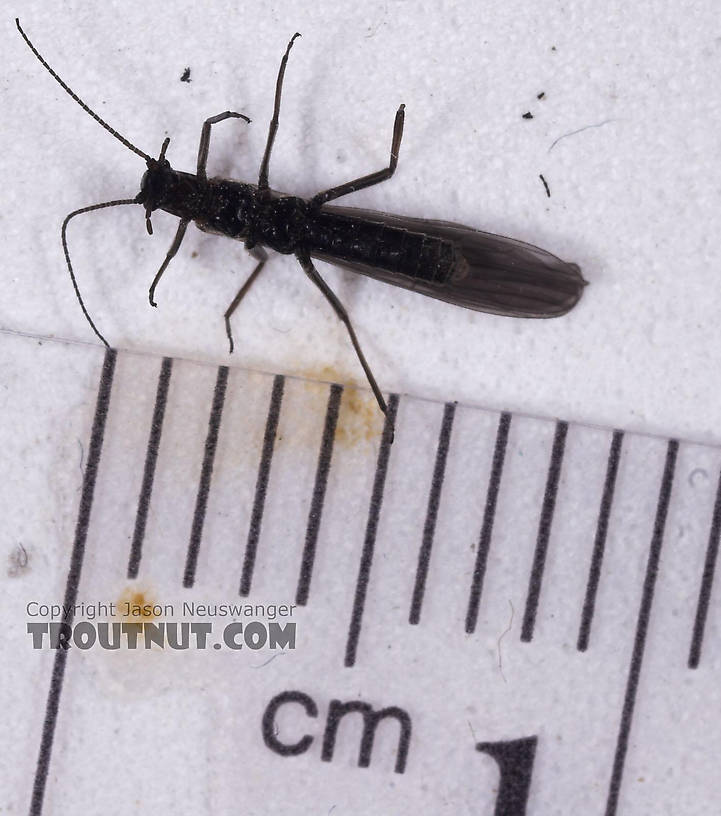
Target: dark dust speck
(17, 561)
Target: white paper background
(634, 201)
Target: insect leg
(205, 138)
(371, 179)
(263, 175)
(174, 247)
(339, 309)
(261, 256)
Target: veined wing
(492, 274)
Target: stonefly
(463, 266)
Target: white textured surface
(635, 201)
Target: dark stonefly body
(447, 261)
(450, 262)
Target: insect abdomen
(393, 249)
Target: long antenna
(80, 102)
(67, 254)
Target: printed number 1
(515, 760)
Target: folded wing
(492, 273)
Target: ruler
(494, 613)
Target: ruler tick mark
(316, 506)
(709, 569)
(434, 499)
(261, 485)
(374, 512)
(599, 544)
(206, 473)
(73, 580)
(544, 532)
(151, 458)
(644, 617)
(484, 543)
